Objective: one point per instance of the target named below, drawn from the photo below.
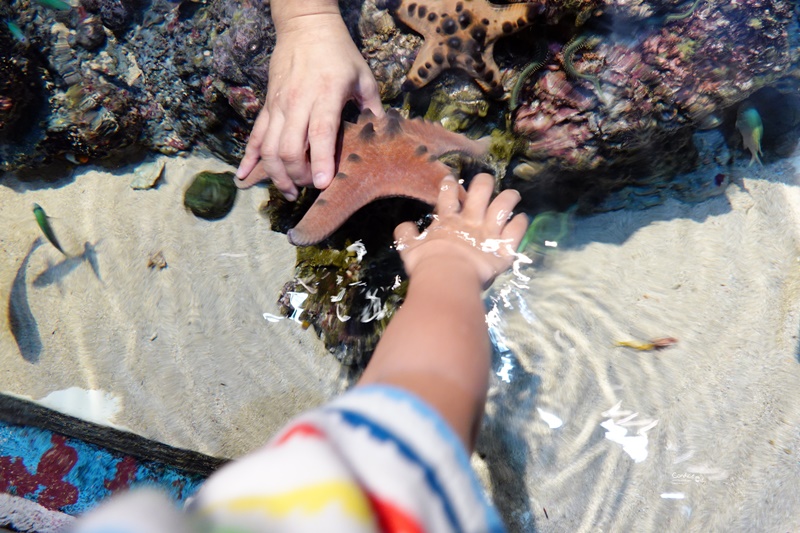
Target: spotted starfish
(460, 34)
(381, 158)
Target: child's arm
(437, 345)
(370, 458)
(314, 70)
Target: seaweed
(345, 297)
(347, 287)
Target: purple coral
(115, 14)
(242, 52)
(651, 92)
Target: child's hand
(315, 69)
(478, 233)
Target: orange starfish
(460, 34)
(380, 158)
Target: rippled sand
(184, 353)
(701, 436)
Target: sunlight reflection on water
(594, 432)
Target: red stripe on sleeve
(306, 430)
(392, 519)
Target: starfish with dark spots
(380, 158)
(460, 34)
(383, 158)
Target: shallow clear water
(183, 354)
(581, 433)
(700, 436)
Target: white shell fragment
(147, 174)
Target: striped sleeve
(374, 459)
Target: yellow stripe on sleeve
(309, 500)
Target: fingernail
(319, 179)
(290, 197)
(239, 173)
(450, 177)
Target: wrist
(452, 268)
(288, 12)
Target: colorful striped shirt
(375, 459)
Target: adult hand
(480, 233)
(314, 70)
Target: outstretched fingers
(515, 230)
(448, 203)
(252, 152)
(500, 210)
(323, 130)
(480, 192)
(293, 146)
(257, 175)
(270, 158)
(368, 96)
(404, 234)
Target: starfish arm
(379, 158)
(508, 19)
(486, 73)
(338, 202)
(426, 67)
(437, 141)
(417, 20)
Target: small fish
(41, 219)
(15, 31)
(60, 5)
(21, 321)
(749, 124)
(545, 231)
(655, 344)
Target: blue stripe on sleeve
(493, 522)
(380, 433)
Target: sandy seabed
(580, 435)
(583, 435)
(182, 355)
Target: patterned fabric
(71, 476)
(374, 459)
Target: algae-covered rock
(458, 105)
(348, 297)
(211, 195)
(346, 288)
(603, 100)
